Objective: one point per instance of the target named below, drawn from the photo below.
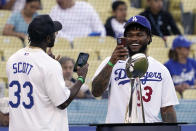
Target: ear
(48, 39)
(149, 39)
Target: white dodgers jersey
(157, 91)
(36, 88)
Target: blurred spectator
(14, 5)
(161, 21)
(181, 67)
(18, 22)
(19, 5)
(7, 5)
(79, 19)
(4, 111)
(67, 66)
(115, 25)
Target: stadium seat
(9, 52)
(104, 15)
(95, 43)
(73, 53)
(4, 15)
(8, 42)
(105, 53)
(8, 46)
(47, 6)
(62, 43)
(189, 94)
(103, 8)
(188, 5)
(157, 42)
(3, 75)
(133, 11)
(158, 50)
(160, 54)
(93, 65)
(101, 5)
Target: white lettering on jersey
(184, 77)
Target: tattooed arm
(168, 114)
(101, 81)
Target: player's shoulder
(15, 55)
(155, 63)
(49, 60)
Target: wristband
(110, 64)
(80, 78)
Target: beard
(51, 44)
(141, 50)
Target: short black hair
(28, 1)
(116, 4)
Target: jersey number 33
(17, 94)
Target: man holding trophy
(139, 86)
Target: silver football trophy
(136, 67)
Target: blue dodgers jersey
(182, 73)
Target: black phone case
(81, 60)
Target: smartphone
(122, 41)
(81, 60)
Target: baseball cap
(143, 21)
(44, 25)
(181, 41)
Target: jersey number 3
(147, 96)
(18, 92)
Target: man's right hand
(82, 71)
(120, 53)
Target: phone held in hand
(81, 60)
(122, 41)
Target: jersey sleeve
(168, 96)
(55, 85)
